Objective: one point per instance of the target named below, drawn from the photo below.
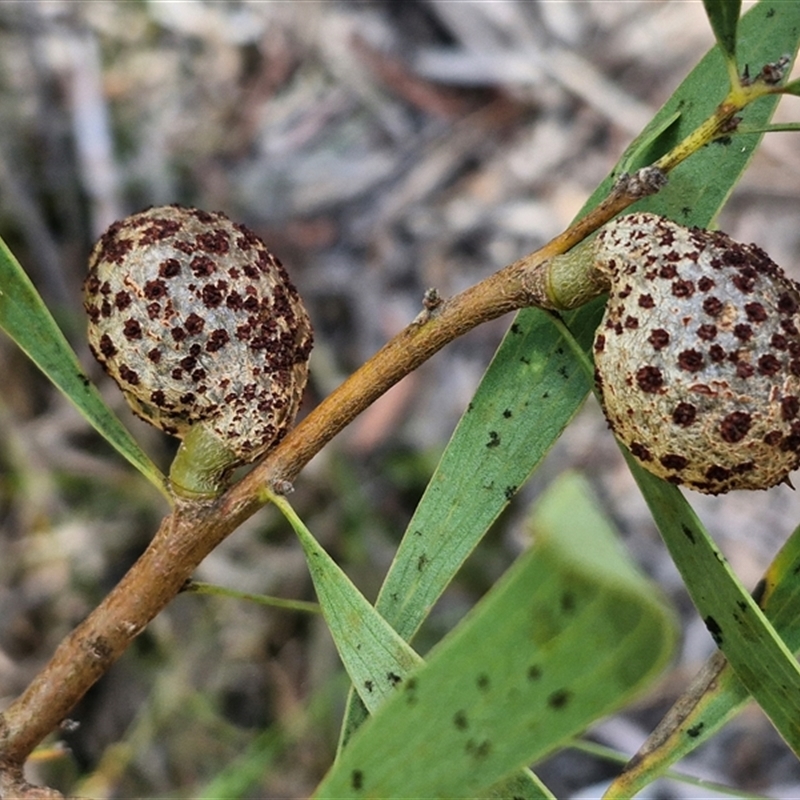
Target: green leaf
(26, 319)
(376, 657)
(792, 88)
(476, 478)
(569, 633)
(760, 658)
(716, 694)
(724, 18)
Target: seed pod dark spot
(743, 332)
(122, 300)
(178, 334)
(668, 271)
(735, 426)
(169, 268)
(744, 281)
(599, 343)
(646, 301)
(690, 360)
(214, 242)
(132, 329)
(744, 370)
(218, 339)
(683, 288)
(713, 306)
(194, 324)
(790, 405)
(640, 451)
(787, 303)
(755, 312)
(155, 289)
(778, 341)
(768, 365)
(107, 347)
(705, 283)
(684, 414)
(649, 378)
(674, 461)
(212, 295)
(659, 338)
(154, 355)
(717, 473)
(202, 266)
(631, 323)
(128, 375)
(716, 353)
(707, 332)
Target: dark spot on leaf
(357, 780)
(494, 439)
(534, 672)
(483, 682)
(460, 720)
(393, 678)
(695, 730)
(687, 532)
(559, 699)
(714, 629)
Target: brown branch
(193, 530)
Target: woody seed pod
(205, 334)
(698, 355)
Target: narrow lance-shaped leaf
(569, 633)
(472, 486)
(724, 18)
(716, 693)
(376, 658)
(759, 656)
(26, 319)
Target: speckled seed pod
(202, 329)
(698, 355)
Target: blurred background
(379, 148)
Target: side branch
(194, 529)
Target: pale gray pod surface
(698, 355)
(199, 323)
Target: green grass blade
(471, 486)
(761, 659)
(569, 633)
(26, 319)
